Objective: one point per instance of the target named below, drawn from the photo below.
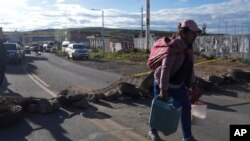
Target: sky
(219, 16)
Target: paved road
(60, 73)
(222, 111)
(43, 77)
(124, 119)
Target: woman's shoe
(154, 136)
(189, 139)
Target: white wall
(140, 42)
(226, 45)
(114, 47)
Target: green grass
(60, 53)
(136, 56)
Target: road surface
(125, 119)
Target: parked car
(65, 45)
(77, 51)
(14, 53)
(27, 49)
(48, 47)
(34, 46)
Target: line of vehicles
(15, 52)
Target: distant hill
(112, 32)
(116, 35)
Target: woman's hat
(191, 24)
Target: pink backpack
(159, 51)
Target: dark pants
(179, 94)
(1, 78)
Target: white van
(65, 45)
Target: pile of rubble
(230, 77)
(12, 108)
(127, 86)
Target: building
(29, 38)
(15, 37)
(78, 36)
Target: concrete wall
(140, 42)
(114, 47)
(235, 46)
(95, 42)
(125, 46)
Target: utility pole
(219, 26)
(147, 24)
(141, 22)
(141, 32)
(235, 29)
(248, 29)
(226, 27)
(241, 28)
(102, 36)
(103, 44)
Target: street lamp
(102, 39)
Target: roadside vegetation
(133, 56)
(140, 56)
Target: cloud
(183, 0)
(21, 15)
(60, 1)
(232, 12)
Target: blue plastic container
(165, 115)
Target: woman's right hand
(163, 94)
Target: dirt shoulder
(219, 67)
(202, 70)
(211, 67)
(127, 68)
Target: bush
(135, 50)
(96, 50)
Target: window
(10, 46)
(78, 46)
